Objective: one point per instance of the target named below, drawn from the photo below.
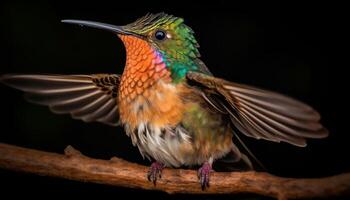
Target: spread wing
(259, 113)
(86, 97)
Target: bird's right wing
(86, 97)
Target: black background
(297, 49)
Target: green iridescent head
(173, 39)
(166, 32)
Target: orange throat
(144, 67)
(146, 94)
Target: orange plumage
(141, 82)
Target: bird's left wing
(86, 97)
(259, 113)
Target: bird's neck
(144, 67)
(147, 92)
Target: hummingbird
(172, 107)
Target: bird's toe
(155, 172)
(204, 174)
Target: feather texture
(86, 97)
(261, 114)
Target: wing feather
(260, 113)
(86, 97)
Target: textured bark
(75, 166)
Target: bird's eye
(160, 35)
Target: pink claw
(203, 175)
(155, 172)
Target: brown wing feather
(261, 114)
(86, 97)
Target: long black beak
(99, 25)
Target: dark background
(295, 49)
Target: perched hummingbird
(175, 111)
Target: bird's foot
(155, 172)
(203, 175)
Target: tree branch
(75, 166)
